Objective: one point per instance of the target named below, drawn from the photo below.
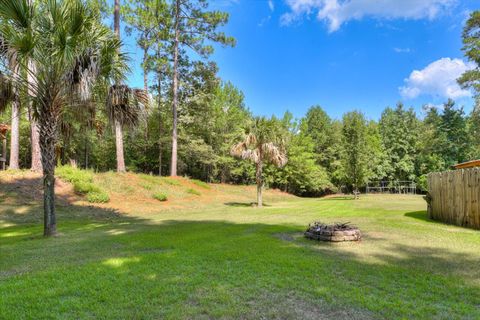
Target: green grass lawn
(227, 260)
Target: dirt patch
(27, 188)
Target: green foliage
(146, 186)
(171, 181)
(160, 196)
(318, 125)
(201, 183)
(98, 197)
(193, 191)
(74, 175)
(471, 48)
(83, 183)
(399, 131)
(213, 117)
(83, 187)
(302, 175)
(354, 154)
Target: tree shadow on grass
(420, 215)
(110, 268)
(244, 204)
(109, 265)
(334, 198)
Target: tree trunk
(36, 151)
(15, 135)
(48, 127)
(86, 151)
(119, 146)
(259, 178)
(118, 125)
(34, 131)
(145, 87)
(173, 166)
(159, 124)
(116, 18)
(145, 68)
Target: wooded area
(454, 197)
(69, 102)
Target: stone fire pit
(336, 232)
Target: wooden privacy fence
(454, 197)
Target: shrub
(72, 175)
(201, 183)
(193, 191)
(83, 183)
(160, 196)
(98, 197)
(171, 181)
(83, 187)
(146, 186)
(149, 178)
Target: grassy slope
(213, 256)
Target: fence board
(455, 197)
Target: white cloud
(271, 5)
(438, 79)
(337, 12)
(402, 50)
(264, 21)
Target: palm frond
(251, 140)
(241, 150)
(274, 154)
(251, 155)
(125, 104)
(238, 149)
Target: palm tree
(125, 107)
(262, 145)
(72, 53)
(124, 104)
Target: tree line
(63, 89)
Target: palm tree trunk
(119, 146)
(36, 151)
(15, 135)
(34, 131)
(118, 125)
(173, 166)
(259, 178)
(48, 127)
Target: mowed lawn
(227, 260)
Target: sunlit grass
(226, 259)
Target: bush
(73, 175)
(160, 196)
(83, 184)
(201, 183)
(82, 187)
(146, 186)
(193, 191)
(171, 181)
(98, 197)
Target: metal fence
(398, 187)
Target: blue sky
(342, 55)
